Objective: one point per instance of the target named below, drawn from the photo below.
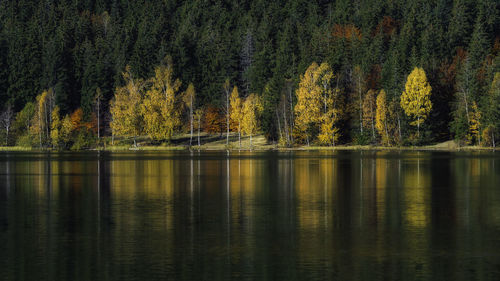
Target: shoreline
(259, 148)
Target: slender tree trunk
(99, 121)
(386, 132)
(135, 142)
(227, 118)
(360, 106)
(291, 116)
(251, 147)
(191, 119)
(286, 125)
(493, 137)
(418, 128)
(198, 133)
(399, 128)
(239, 133)
(40, 126)
(279, 124)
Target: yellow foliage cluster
(125, 107)
(415, 100)
(252, 108)
(152, 106)
(474, 134)
(317, 105)
(381, 117)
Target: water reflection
(270, 216)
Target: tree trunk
(98, 121)
(279, 124)
(399, 128)
(199, 125)
(227, 118)
(239, 133)
(418, 128)
(135, 142)
(360, 106)
(191, 119)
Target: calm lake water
(250, 216)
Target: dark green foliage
(74, 47)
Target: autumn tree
(415, 100)
(189, 100)
(252, 108)
(159, 108)
(42, 118)
(55, 127)
(236, 111)
(125, 107)
(309, 103)
(369, 111)
(62, 129)
(331, 109)
(474, 134)
(492, 112)
(381, 117)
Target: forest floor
(218, 143)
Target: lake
(304, 215)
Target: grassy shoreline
(259, 144)
(258, 148)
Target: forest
(78, 74)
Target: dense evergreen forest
(253, 66)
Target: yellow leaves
(236, 108)
(415, 100)
(329, 134)
(252, 107)
(55, 127)
(369, 110)
(125, 106)
(381, 117)
(308, 107)
(317, 104)
(159, 110)
(474, 125)
(61, 130)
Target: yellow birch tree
(159, 110)
(236, 111)
(415, 100)
(189, 99)
(309, 101)
(381, 117)
(125, 107)
(252, 107)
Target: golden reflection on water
(351, 214)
